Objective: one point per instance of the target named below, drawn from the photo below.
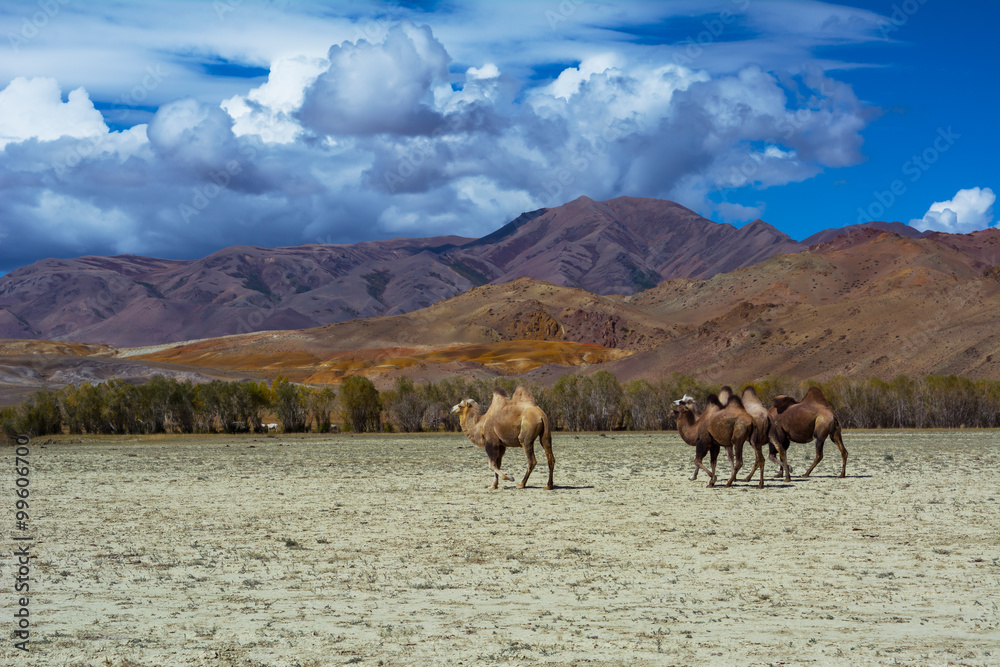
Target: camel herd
(728, 421)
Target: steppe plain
(390, 550)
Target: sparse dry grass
(343, 550)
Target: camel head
(464, 407)
(685, 404)
(781, 403)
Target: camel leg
(839, 441)
(782, 466)
(732, 464)
(758, 451)
(495, 455)
(820, 441)
(699, 454)
(714, 457)
(757, 463)
(549, 456)
(529, 452)
(783, 462)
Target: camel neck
(685, 423)
(469, 422)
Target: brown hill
(886, 306)
(894, 227)
(874, 303)
(136, 300)
(619, 246)
(623, 245)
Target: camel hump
(724, 394)
(523, 395)
(750, 396)
(815, 395)
(782, 403)
(500, 391)
(713, 400)
(734, 401)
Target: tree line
(596, 402)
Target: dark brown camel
(805, 420)
(509, 422)
(718, 426)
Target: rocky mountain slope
(619, 246)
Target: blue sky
(177, 128)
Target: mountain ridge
(871, 304)
(619, 246)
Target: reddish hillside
(616, 247)
(887, 306)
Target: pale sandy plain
(390, 550)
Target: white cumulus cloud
(379, 88)
(33, 109)
(968, 211)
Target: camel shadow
(814, 476)
(557, 487)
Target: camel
(717, 426)
(509, 421)
(805, 420)
(762, 424)
(761, 435)
(723, 397)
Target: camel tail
(546, 435)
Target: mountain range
(734, 305)
(620, 246)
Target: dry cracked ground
(390, 550)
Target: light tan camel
(509, 422)
(805, 420)
(717, 426)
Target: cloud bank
(390, 133)
(968, 211)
